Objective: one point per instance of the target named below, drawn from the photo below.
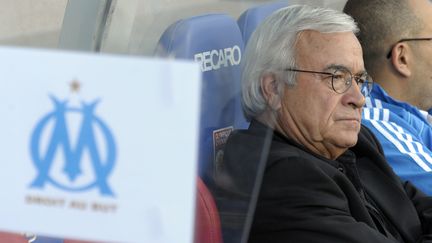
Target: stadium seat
(7, 237)
(207, 222)
(12, 238)
(252, 17)
(214, 41)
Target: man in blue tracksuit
(396, 37)
(404, 133)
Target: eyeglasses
(342, 79)
(406, 39)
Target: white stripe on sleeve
(396, 142)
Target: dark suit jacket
(305, 197)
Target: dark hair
(382, 23)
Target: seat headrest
(211, 39)
(252, 17)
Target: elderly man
(396, 36)
(325, 178)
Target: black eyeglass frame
(404, 40)
(356, 77)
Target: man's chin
(348, 143)
(348, 138)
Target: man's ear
(401, 59)
(269, 88)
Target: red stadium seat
(6, 237)
(12, 238)
(207, 222)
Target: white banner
(98, 147)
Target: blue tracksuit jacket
(405, 134)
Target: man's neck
(394, 86)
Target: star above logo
(75, 86)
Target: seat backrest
(252, 17)
(215, 42)
(207, 222)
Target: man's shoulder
(390, 121)
(248, 145)
(266, 142)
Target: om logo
(59, 141)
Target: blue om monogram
(60, 141)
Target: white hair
(271, 48)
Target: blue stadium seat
(252, 17)
(215, 42)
